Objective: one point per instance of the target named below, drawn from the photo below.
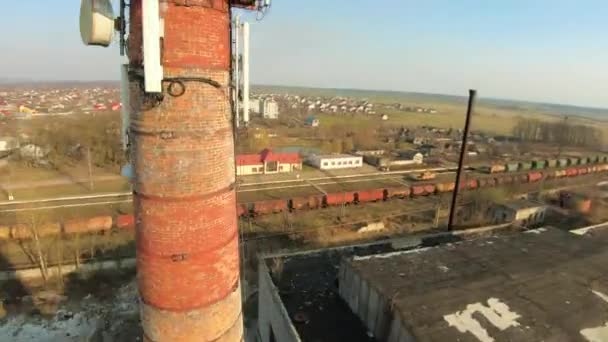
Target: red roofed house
(267, 162)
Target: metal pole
(463, 152)
(246, 73)
(237, 61)
(90, 169)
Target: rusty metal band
(183, 257)
(167, 134)
(233, 288)
(199, 198)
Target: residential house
(312, 121)
(270, 109)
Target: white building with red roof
(267, 162)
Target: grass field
(494, 116)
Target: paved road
(61, 180)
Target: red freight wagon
(571, 172)
(534, 176)
(310, 202)
(429, 189)
(418, 190)
(401, 192)
(339, 198)
(124, 221)
(582, 171)
(370, 195)
(298, 203)
(269, 206)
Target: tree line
(562, 133)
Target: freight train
(417, 189)
(512, 175)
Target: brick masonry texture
(183, 154)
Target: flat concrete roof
(542, 285)
(335, 156)
(522, 204)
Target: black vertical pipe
(463, 152)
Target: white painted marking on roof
(390, 255)
(599, 334)
(443, 268)
(601, 295)
(585, 230)
(535, 231)
(496, 313)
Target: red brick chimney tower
(183, 155)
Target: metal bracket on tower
(151, 32)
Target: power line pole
(90, 169)
(463, 152)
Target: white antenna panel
(96, 22)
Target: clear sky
(539, 50)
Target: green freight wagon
(562, 162)
(512, 167)
(573, 161)
(551, 163)
(583, 161)
(539, 164)
(525, 166)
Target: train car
(309, 202)
(339, 198)
(22, 231)
(562, 162)
(534, 177)
(398, 192)
(539, 164)
(582, 171)
(573, 161)
(583, 161)
(269, 206)
(506, 179)
(94, 224)
(371, 195)
(470, 184)
(125, 221)
(525, 166)
(445, 187)
(493, 168)
(512, 167)
(559, 173)
(423, 190)
(5, 233)
(571, 172)
(551, 163)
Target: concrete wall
(372, 308)
(272, 314)
(248, 169)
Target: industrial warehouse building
(267, 162)
(270, 109)
(335, 161)
(522, 212)
(542, 285)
